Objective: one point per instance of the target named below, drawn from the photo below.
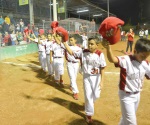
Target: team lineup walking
(57, 47)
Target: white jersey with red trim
(91, 62)
(58, 50)
(41, 45)
(48, 46)
(132, 73)
(71, 58)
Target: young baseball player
(57, 53)
(93, 64)
(41, 50)
(73, 64)
(133, 69)
(41, 44)
(48, 45)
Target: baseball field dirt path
(29, 97)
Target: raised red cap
(63, 33)
(108, 24)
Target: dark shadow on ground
(43, 76)
(35, 62)
(83, 122)
(72, 106)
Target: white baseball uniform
(42, 54)
(91, 66)
(48, 46)
(58, 59)
(130, 84)
(85, 42)
(73, 67)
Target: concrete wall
(19, 50)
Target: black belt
(57, 57)
(72, 61)
(132, 92)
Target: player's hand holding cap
(63, 33)
(53, 25)
(110, 29)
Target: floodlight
(80, 11)
(97, 15)
(52, 4)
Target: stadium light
(80, 11)
(97, 15)
(52, 4)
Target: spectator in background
(123, 36)
(1, 20)
(85, 41)
(6, 26)
(1, 29)
(21, 25)
(13, 38)
(6, 40)
(77, 26)
(17, 27)
(7, 20)
(11, 28)
(130, 36)
(19, 37)
(146, 33)
(84, 28)
(141, 33)
(36, 32)
(1, 40)
(92, 25)
(31, 27)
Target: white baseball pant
(129, 104)
(91, 92)
(58, 67)
(72, 72)
(42, 56)
(49, 65)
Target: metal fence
(73, 25)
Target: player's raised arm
(68, 48)
(110, 54)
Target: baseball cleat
(75, 96)
(62, 83)
(88, 119)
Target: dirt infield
(29, 97)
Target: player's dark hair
(77, 37)
(95, 38)
(49, 34)
(142, 45)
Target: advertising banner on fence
(61, 6)
(23, 2)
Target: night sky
(133, 11)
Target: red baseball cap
(41, 31)
(53, 25)
(108, 24)
(63, 33)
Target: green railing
(14, 51)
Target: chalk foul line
(37, 66)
